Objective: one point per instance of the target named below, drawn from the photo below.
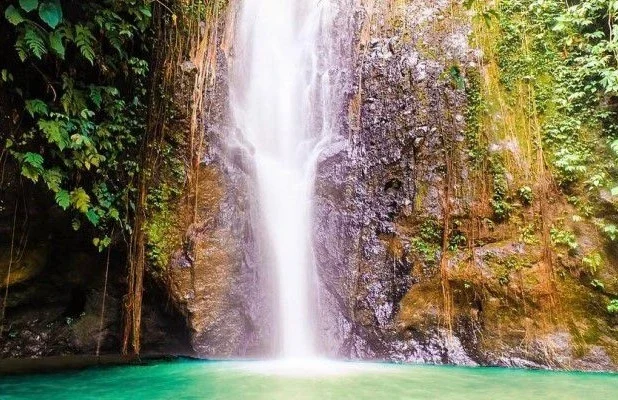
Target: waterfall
(281, 103)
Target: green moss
(500, 201)
(504, 267)
(474, 108)
(163, 239)
(163, 234)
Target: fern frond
(21, 48)
(85, 42)
(35, 42)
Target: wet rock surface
(219, 279)
(367, 182)
(400, 153)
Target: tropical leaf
(95, 96)
(114, 214)
(116, 42)
(55, 42)
(51, 13)
(93, 217)
(55, 132)
(32, 166)
(36, 107)
(63, 199)
(146, 11)
(6, 76)
(34, 42)
(22, 49)
(13, 15)
(28, 5)
(53, 179)
(84, 41)
(80, 200)
(33, 159)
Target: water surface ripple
(332, 380)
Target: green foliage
(32, 166)
(456, 77)
(525, 195)
(51, 13)
(457, 241)
(29, 5)
(562, 58)
(34, 42)
(428, 242)
(84, 41)
(503, 267)
(527, 234)
(13, 15)
(611, 231)
(84, 98)
(474, 108)
(564, 238)
(593, 262)
(612, 306)
(63, 199)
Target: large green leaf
(30, 172)
(55, 42)
(28, 5)
(51, 13)
(34, 159)
(13, 15)
(55, 132)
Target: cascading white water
(281, 103)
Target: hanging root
(102, 318)
(7, 281)
(189, 33)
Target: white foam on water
(310, 368)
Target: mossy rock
(30, 264)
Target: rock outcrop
(392, 285)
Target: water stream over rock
(281, 104)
